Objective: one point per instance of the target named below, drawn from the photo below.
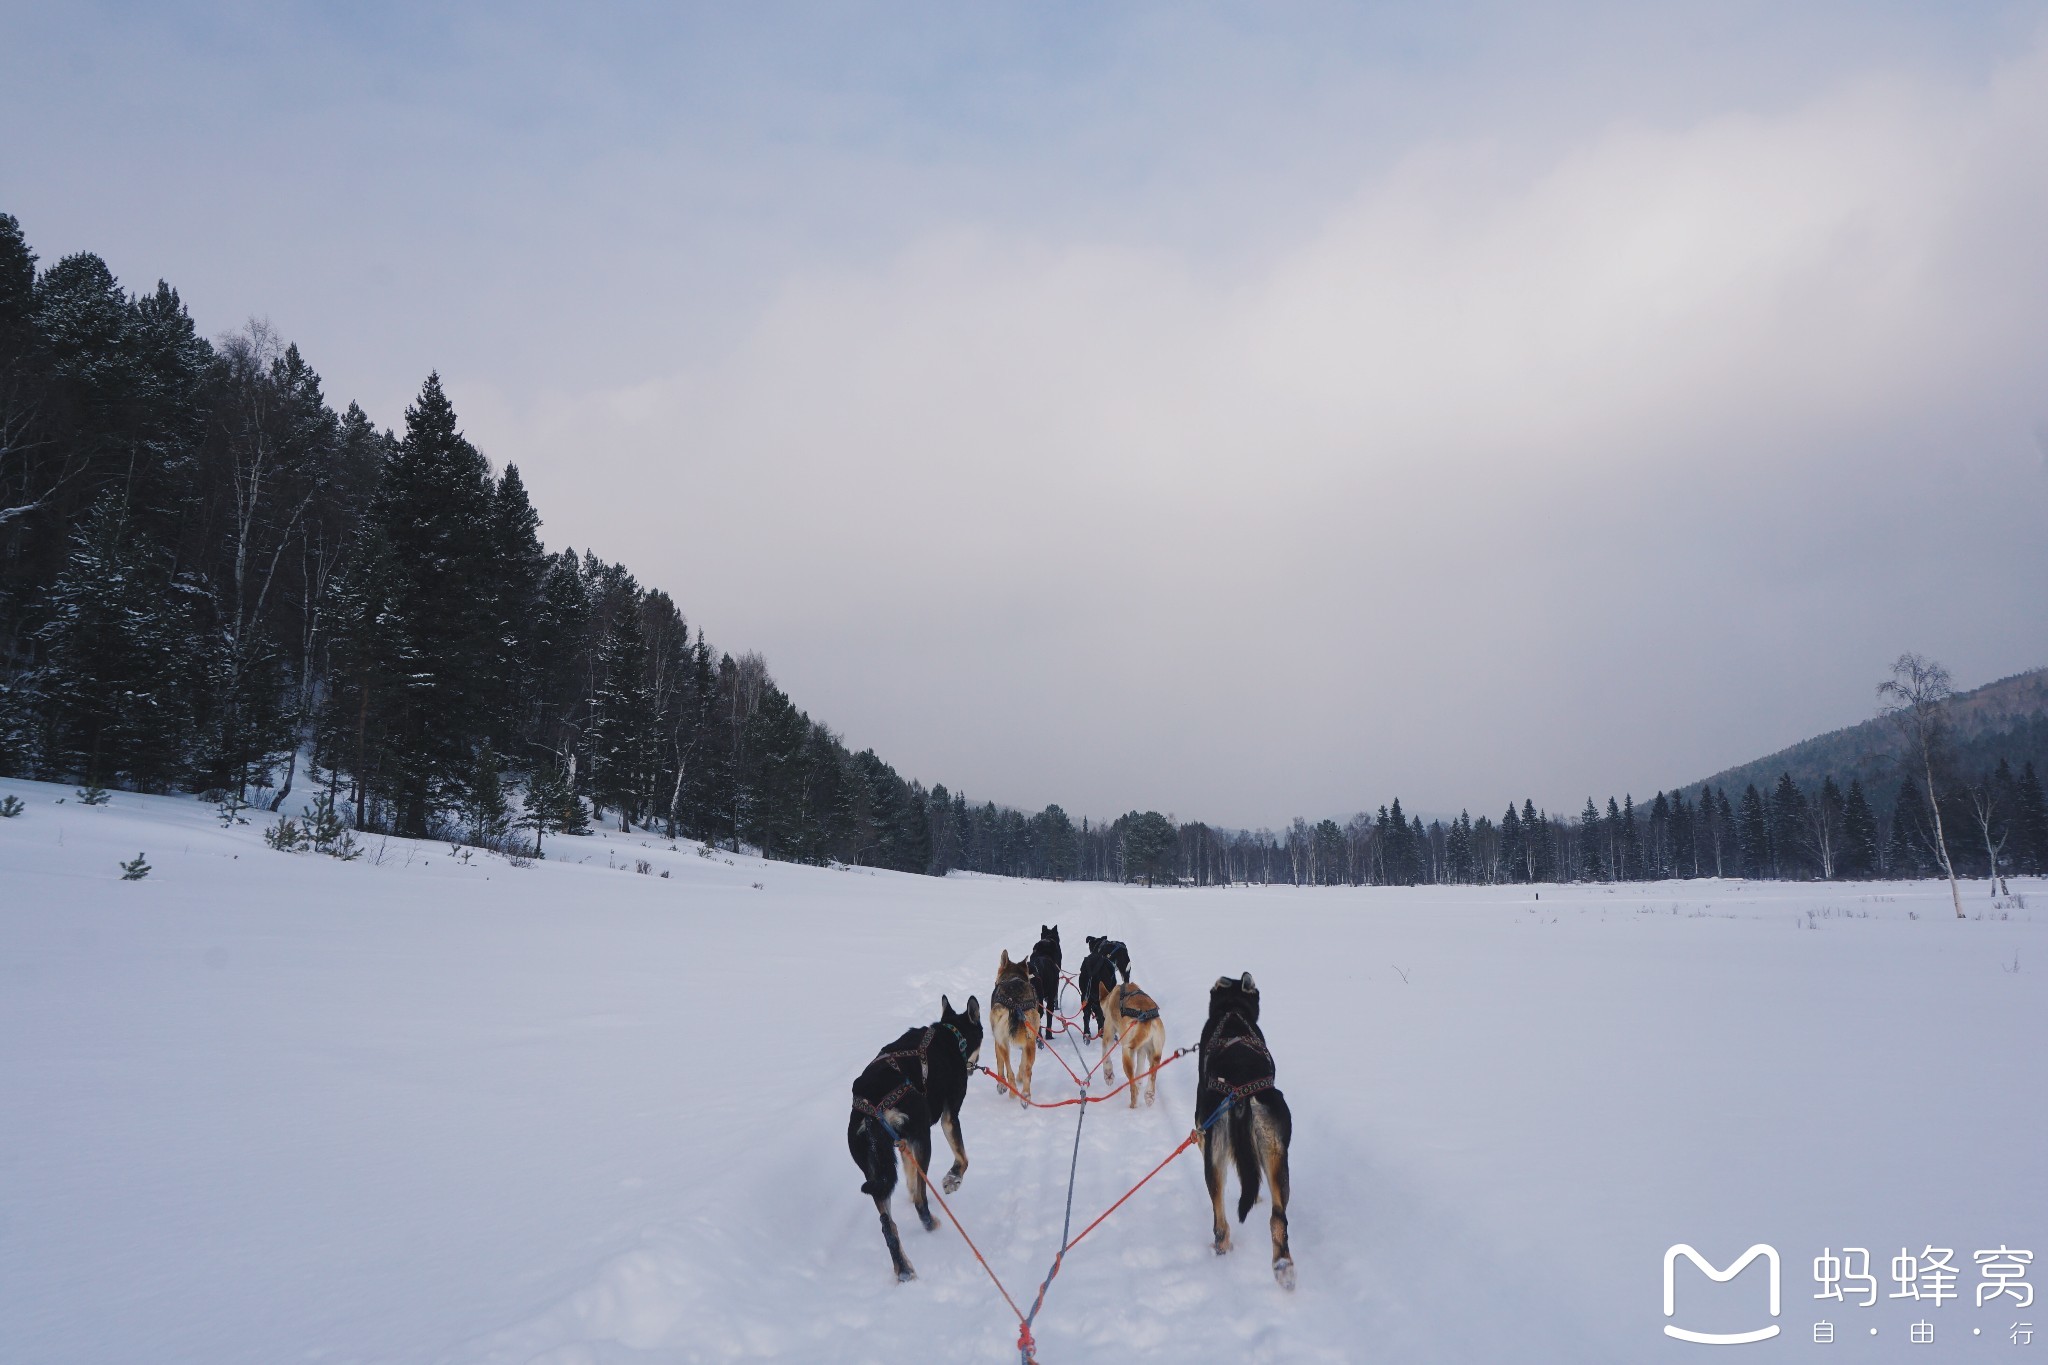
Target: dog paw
(951, 1184)
(924, 1216)
(1283, 1271)
(1222, 1246)
(905, 1275)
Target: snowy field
(267, 1108)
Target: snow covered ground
(263, 1107)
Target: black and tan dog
(1013, 1017)
(1238, 1072)
(1133, 1023)
(914, 1082)
(1045, 974)
(1106, 958)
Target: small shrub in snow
(229, 809)
(642, 866)
(286, 836)
(135, 869)
(328, 832)
(10, 807)
(93, 796)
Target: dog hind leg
(1270, 1127)
(1215, 1156)
(1030, 1051)
(904, 1273)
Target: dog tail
(1245, 1152)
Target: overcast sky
(1243, 412)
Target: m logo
(1769, 1253)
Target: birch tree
(1915, 700)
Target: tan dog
(1013, 1020)
(1130, 1018)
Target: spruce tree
(433, 514)
(1859, 835)
(2032, 821)
(485, 816)
(1631, 841)
(123, 660)
(1592, 862)
(1753, 834)
(621, 735)
(1513, 850)
(1788, 815)
(1908, 852)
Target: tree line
(212, 580)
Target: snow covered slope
(264, 1107)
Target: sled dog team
(921, 1078)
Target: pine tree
(1150, 843)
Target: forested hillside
(213, 580)
(2007, 719)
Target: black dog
(1238, 1071)
(1106, 957)
(919, 1079)
(1045, 974)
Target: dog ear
(1006, 961)
(945, 1008)
(973, 1008)
(1247, 982)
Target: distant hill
(2005, 719)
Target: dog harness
(1250, 1040)
(874, 1110)
(1232, 1094)
(924, 1065)
(1015, 995)
(1138, 1015)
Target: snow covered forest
(213, 581)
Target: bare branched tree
(1915, 700)
(1991, 800)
